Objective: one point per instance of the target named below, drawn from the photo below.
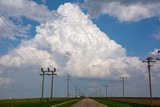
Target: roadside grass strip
(64, 103)
(46, 102)
(113, 103)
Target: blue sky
(105, 43)
(136, 37)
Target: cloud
(124, 10)
(156, 35)
(44, 1)
(29, 9)
(155, 68)
(5, 81)
(26, 56)
(13, 11)
(74, 45)
(12, 31)
(155, 54)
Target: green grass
(112, 103)
(37, 102)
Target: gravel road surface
(87, 102)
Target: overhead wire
(10, 45)
(37, 59)
(18, 37)
(24, 44)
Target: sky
(95, 46)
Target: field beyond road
(79, 102)
(36, 102)
(155, 101)
(128, 102)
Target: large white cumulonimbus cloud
(74, 45)
(124, 10)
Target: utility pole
(149, 60)
(76, 91)
(48, 72)
(123, 78)
(52, 74)
(79, 92)
(68, 79)
(106, 91)
(158, 53)
(100, 92)
(43, 73)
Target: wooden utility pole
(106, 91)
(52, 74)
(100, 93)
(68, 80)
(43, 74)
(123, 78)
(149, 60)
(76, 91)
(48, 72)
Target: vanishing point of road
(87, 102)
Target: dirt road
(87, 102)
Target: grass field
(112, 102)
(126, 103)
(37, 102)
(155, 101)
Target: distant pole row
(48, 72)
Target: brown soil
(155, 101)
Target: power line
(24, 44)
(7, 43)
(95, 93)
